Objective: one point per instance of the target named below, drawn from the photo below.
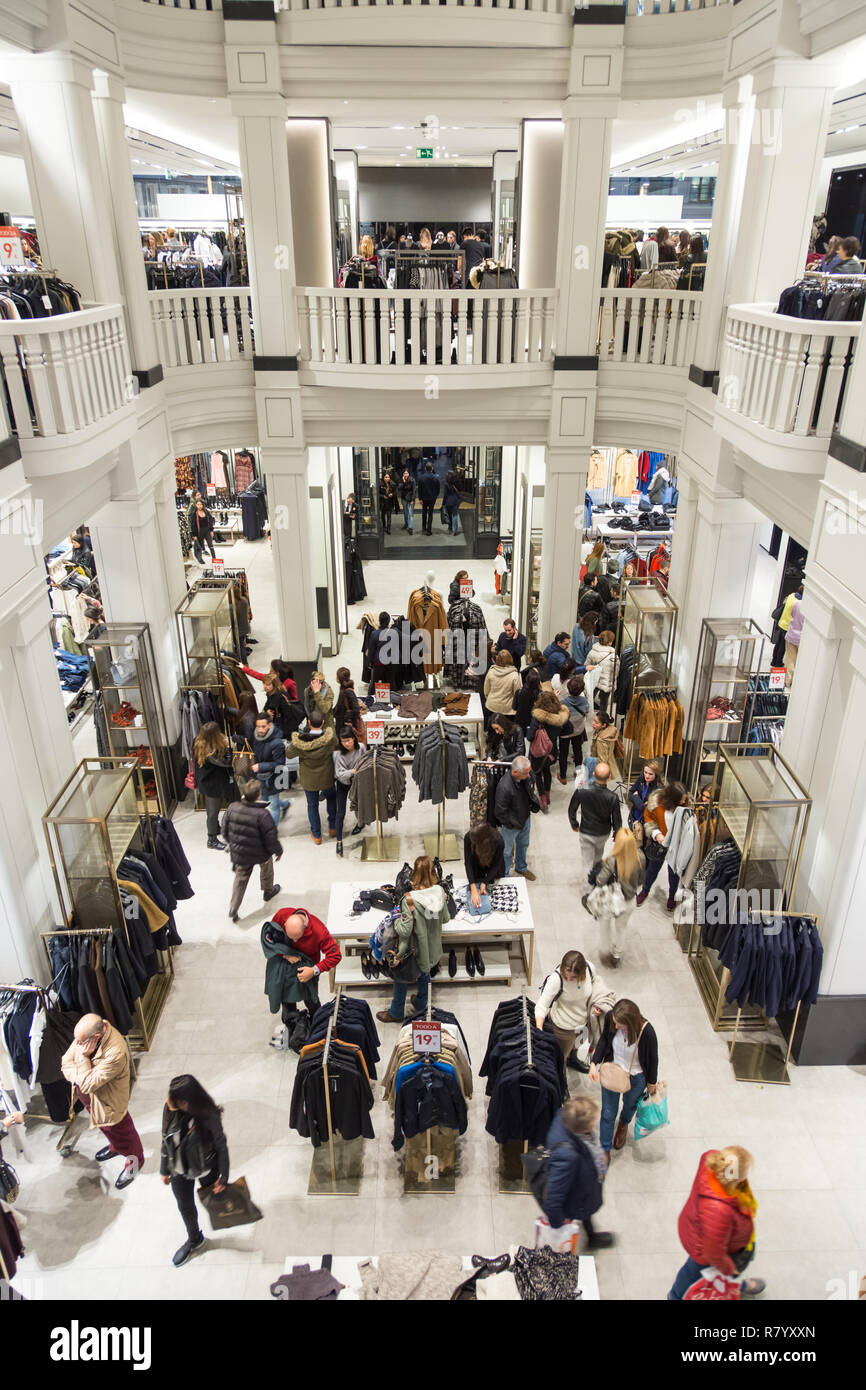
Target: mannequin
(426, 612)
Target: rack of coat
(462, 649)
(103, 971)
(525, 1072)
(655, 722)
(35, 1031)
(356, 589)
(378, 787)
(716, 878)
(814, 296)
(332, 1094)
(440, 768)
(428, 1090)
(197, 707)
(774, 961)
(254, 510)
(23, 294)
(409, 669)
(147, 891)
(483, 782)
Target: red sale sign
(375, 729)
(426, 1036)
(10, 247)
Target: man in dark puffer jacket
(248, 828)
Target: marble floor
(86, 1240)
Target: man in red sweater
(311, 938)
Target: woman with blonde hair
(212, 769)
(423, 914)
(717, 1223)
(622, 870)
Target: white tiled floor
(86, 1240)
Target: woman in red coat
(718, 1220)
(284, 673)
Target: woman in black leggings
(193, 1146)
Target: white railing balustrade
(190, 4)
(66, 373)
(197, 327)
(786, 374)
(652, 327)
(641, 8)
(417, 328)
(533, 6)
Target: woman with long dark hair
(505, 738)
(484, 860)
(284, 673)
(347, 709)
(629, 1042)
(451, 503)
(212, 769)
(527, 698)
(244, 717)
(193, 1146)
(346, 759)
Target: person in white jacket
(602, 656)
(682, 843)
(574, 997)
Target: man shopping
(516, 801)
(600, 816)
(97, 1067)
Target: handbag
(232, 1207)
(9, 1184)
(613, 1077)
(242, 763)
(713, 1287)
(652, 1112)
(606, 901)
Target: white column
(789, 133)
(111, 129)
(289, 510)
(51, 93)
(816, 706)
(564, 493)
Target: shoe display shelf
(123, 671)
(730, 658)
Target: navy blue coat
(573, 1186)
(556, 658)
(269, 753)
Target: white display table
(493, 935)
(397, 727)
(346, 1269)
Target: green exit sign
(423, 151)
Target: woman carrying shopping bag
(616, 881)
(717, 1223)
(626, 1063)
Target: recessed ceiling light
(408, 147)
(360, 147)
(398, 127)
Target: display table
(605, 531)
(398, 729)
(492, 934)
(346, 1269)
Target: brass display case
(123, 670)
(207, 626)
(730, 657)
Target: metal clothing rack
(442, 844)
(512, 1148)
(156, 989)
(338, 1166)
(386, 847)
(433, 1154)
(764, 1063)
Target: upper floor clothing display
(426, 612)
(526, 1075)
(816, 297)
(245, 470)
(23, 295)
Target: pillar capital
(50, 67)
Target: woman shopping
(346, 759)
(212, 769)
(717, 1223)
(670, 833)
(626, 1063)
(603, 657)
(573, 997)
(616, 881)
(201, 525)
(423, 914)
(575, 701)
(640, 791)
(502, 685)
(484, 860)
(550, 718)
(193, 1146)
(283, 672)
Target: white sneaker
(280, 1038)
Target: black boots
(214, 842)
(181, 1256)
(452, 963)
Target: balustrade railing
(650, 327)
(198, 327)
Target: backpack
(536, 1169)
(541, 746)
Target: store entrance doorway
(468, 529)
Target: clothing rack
(387, 847)
(442, 845)
(343, 1168)
(512, 1186)
(763, 1063)
(435, 1175)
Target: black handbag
(9, 1184)
(654, 852)
(743, 1258)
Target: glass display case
(532, 590)
(730, 656)
(93, 822)
(123, 671)
(759, 807)
(207, 627)
(647, 625)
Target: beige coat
(501, 685)
(104, 1077)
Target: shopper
(451, 503)
(595, 560)
(624, 867)
(846, 260)
(319, 696)
(315, 748)
(576, 1171)
(505, 738)
(590, 601)
(555, 655)
(308, 939)
(833, 244)
(387, 502)
(717, 1223)
(694, 267)
(514, 803)
(583, 637)
(287, 715)
(347, 707)
(428, 491)
(574, 699)
(793, 636)
(502, 685)
(251, 833)
(549, 718)
(639, 792)
(380, 651)
(527, 697)
(510, 640)
(423, 914)
(193, 1146)
(269, 763)
(212, 769)
(605, 746)
(242, 618)
(603, 656)
(658, 819)
(201, 525)
(243, 719)
(630, 1042)
(460, 578)
(534, 666)
(406, 491)
(683, 247)
(600, 815)
(346, 759)
(484, 861)
(97, 1067)
(283, 672)
(573, 997)
(472, 252)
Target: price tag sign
(466, 588)
(211, 489)
(382, 693)
(10, 247)
(375, 732)
(426, 1037)
(636, 496)
(217, 565)
(777, 678)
